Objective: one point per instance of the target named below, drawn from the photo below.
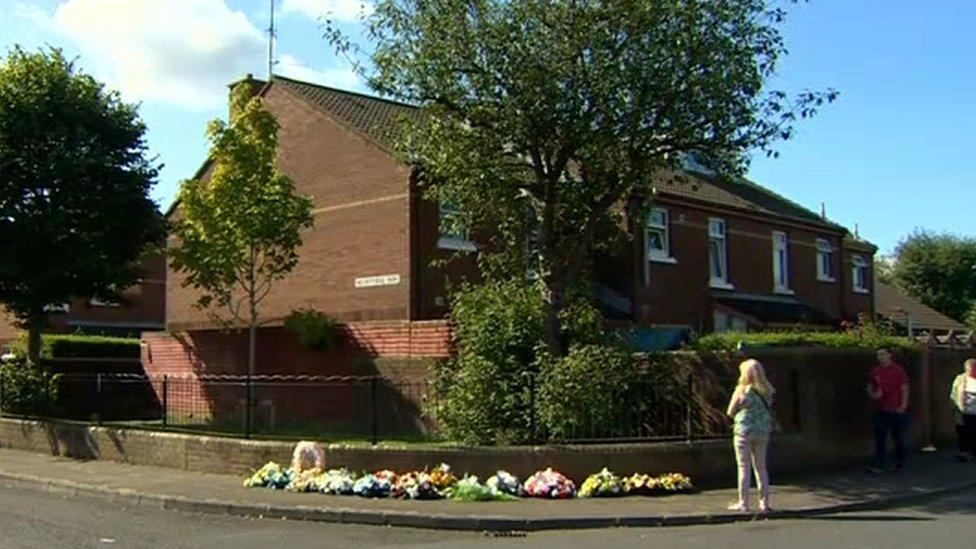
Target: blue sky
(890, 155)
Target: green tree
(545, 119)
(239, 230)
(938, 269)
(75, 212)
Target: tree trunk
(34, 326)
(553, 302)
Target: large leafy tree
(239, 230)
(940, 270)
(75, 215)
(546, 119)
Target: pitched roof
(377, 119)
(896, 305)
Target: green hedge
(55, 346)
(848, 339)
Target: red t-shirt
(889, 379)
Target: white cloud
(341, 10)
(183, 52)
(337, 78)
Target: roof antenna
(823, 210)
(857, 232)
(271, 39)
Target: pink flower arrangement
(549, 484)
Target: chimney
(823, 211)
(252, 86)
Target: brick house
(138, 309)
(711, 255)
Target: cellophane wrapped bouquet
(675, 482)
(602, 485)
(640, 484)
(470, 489)
(503, 482)
(416, 485)
(337, 482)
(549, 484)
(377, 485)
(442, 477)
(308, 480)
(271, 475)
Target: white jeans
(751, 449)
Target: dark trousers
(895, 423)
(967, 434)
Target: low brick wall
(710, 463)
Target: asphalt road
(33, 519)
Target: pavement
(928, 475)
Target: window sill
(447, 243)
(829, 280)
(662, 259)
(862, 291)
(783, 291)
(720, 285)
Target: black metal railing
(336, 408)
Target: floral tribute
(416, 485)
(470, 489)
(640, 484)
(377, 485)
(675, 482)
(309, 480)
(549, 484)
(271, 475)
(337, 482)
(442, 477)
(602, 485)
(504, 482)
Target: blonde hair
(969, 362)
(752, 374)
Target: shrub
(863, 335)
(55, 346)
(314, 329)
(25, 388)
(585, 393)
(483, 391)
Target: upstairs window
(859, 274)
(657, 236)
(825, 260)
(718, 259)
(451, 235)
(781, 263)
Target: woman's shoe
(764, 507)
(738, 507)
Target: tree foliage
(239, 230)
(939, 270)
(543, 119)
(75, 212)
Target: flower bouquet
(337, 482)
(308, 480)
(469, 489)
(602, 485)
(503, 482)
(640, 484)
(549, 484)
(271, 475)
(675, 483)
(442, 477)
(416, 485)
(376, 485)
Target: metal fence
(339, 408)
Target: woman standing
(963, 395)
(750, 407)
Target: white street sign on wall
(381, 280)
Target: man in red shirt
(888, 389)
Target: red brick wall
(361, 201)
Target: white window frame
(781, 263)
(826, 260)
(718, 230)
(446, 240)
(859, 266)
(664, 230)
